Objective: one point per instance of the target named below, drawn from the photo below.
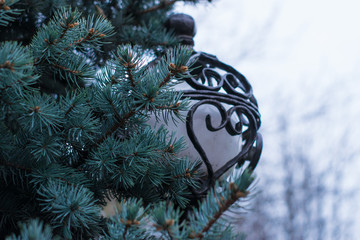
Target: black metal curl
(205, 66)
(230, 88)
(194, 139)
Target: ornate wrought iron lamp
(227, 94)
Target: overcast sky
(302, 57)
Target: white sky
(301, 56)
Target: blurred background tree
(303, 65)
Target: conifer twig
(65, 69)
(165, 81)
(117, 116)
(131, 77)
(12, 84)
(119, 123)
(169, 233)
(17, 166)
(9, 65)
(70, 109)
(186, 174)
(234, 196)
(173, 71)
(92, 33)
(67, 27)
(163, 4)
(125, 231)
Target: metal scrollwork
(217, 84)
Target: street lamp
(223, 121)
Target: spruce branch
(7, 14)
(130, 220)
(130, 58)
(16, 67)
(71, 207)
(131, 77)
(120, 122)
(77, 98)
(150, 93)
(34, 229)
(173, 71)
(72, 106)
(224, 206)
(52, 171)
(68, 151)
(220, 199)
(40, 113)
(64, 43)
(177, 64)
(45, 148)
(165, 80)
(9, 65)
(67, 27)
(166, 220)
(66, 69)
(13, 84)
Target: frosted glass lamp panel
(219, 146)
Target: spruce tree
(76, 93)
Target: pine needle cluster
(74, 133)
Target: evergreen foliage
(76, 93)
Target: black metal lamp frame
(220, 85)
(232, 89)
